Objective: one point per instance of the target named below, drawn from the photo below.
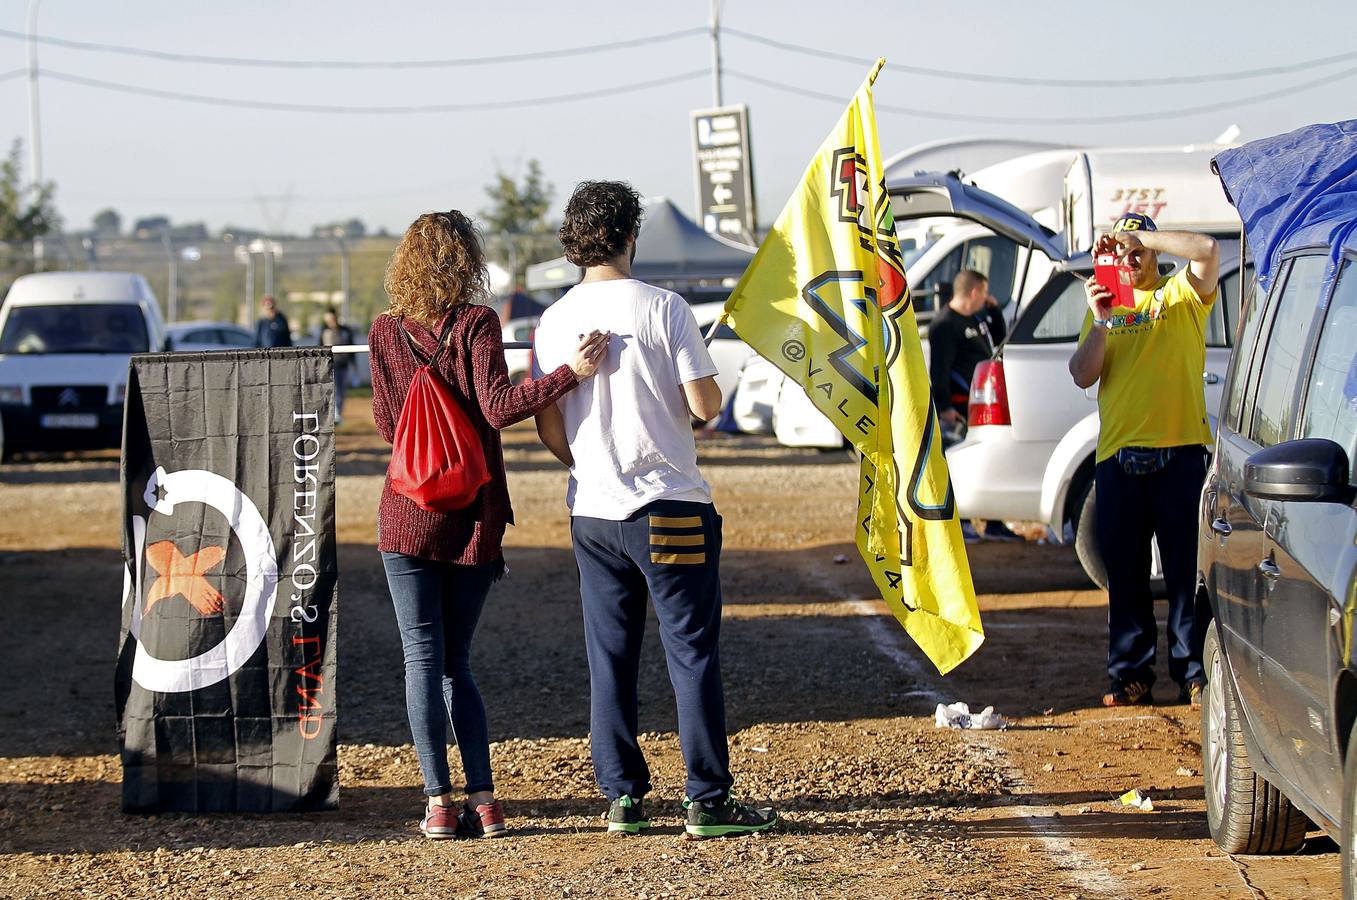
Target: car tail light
(989, 395)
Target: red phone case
(1116, 278)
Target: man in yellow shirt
(1151, 457)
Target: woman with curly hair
(439, 566)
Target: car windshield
(75, 328)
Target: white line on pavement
(983, 748)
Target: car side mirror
(1308, 470)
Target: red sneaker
(485, 820)
(439, 822)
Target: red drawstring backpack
(436, 457)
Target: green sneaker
(627, 816)
(730, 817)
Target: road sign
(725, 172)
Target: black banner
(226, 671)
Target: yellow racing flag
(825, 300)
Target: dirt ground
(830, 708)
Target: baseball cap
(1134, 222)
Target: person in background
(1151, 456)
(272, 329)
(335, 334)
(963, 335)
(439, 566)
(642, 520)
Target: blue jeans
(671, 551)
(1131, 509)
(437, 608)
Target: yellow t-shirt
(1150, 393)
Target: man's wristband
(1103, 323)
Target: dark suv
(1278, 540)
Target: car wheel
(1086, 538)
(1244, 813)
(1349, 823)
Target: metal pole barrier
(363, 348)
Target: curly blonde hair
(438, 265)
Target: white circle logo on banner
(163, 492)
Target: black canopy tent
(671, 251)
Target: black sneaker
(1128, 693)
(728, 817)
(627, 816)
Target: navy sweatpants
(1130, 509)
(669, 550)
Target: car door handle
(1269, 569)
(1210, 378)
(1221, 527)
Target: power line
(169, 56)
(1056, 120)
(1237, 75)
(627, 87)
(12, 73)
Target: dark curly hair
(438, 264)
(600, 218)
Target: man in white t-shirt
(642, 519)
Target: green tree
(23, 217)
(517, 229)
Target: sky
(286, 171)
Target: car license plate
(70, 420)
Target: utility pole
(34, 129)
(172, 301)
(343, 275)
(244, 255)
(268, 266)
(716, 51)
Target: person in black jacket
(272, 329)
(336, 334)
(965, 333)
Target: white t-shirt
(629, 428)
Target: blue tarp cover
(1295, 190)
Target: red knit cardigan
(474, 368)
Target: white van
(65, 342)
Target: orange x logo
(183, 575)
